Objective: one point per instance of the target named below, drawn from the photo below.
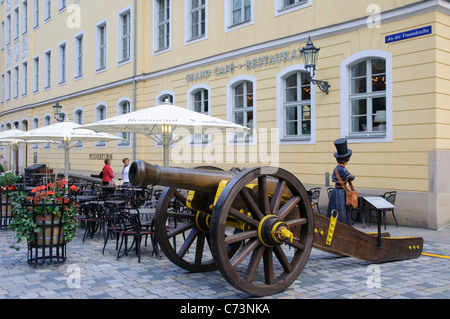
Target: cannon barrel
(142, 174)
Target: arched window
(34, 125)
(295, 106)
(366, 96)
(78, 118)
(124, 107)
(199, 101)
(100, 114)
(242, 107)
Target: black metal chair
(315, 195)
(128, 224)
(390, 197)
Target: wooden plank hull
(352, 242)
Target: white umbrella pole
(66, 161)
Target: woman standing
(125, 170)
(337, 197)
(107, 173)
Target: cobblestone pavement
(87, 274)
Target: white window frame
(168, 47)
(62, 5)
(47, 122)
(16, 86)
(98, 46)
(16, 23)
(8, 27)
(34, 125)
(8, 85)
(189, 39)
(199, 139)
(36, 75)
(78, 57)
(228, 16)
(121, 37)
(36, 12)
(24, 16)
(78, 144)
(47, 10)
(280, 9)
(2, 35)
(100, 144)
(124, 135)
(24, 78)
(345, 97)
(62, 63)
(47, 69)
(230, 110)
(163, 95)
(2, 88)
(280, 103)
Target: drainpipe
(134, 69)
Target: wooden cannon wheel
(183, 234)
(277, 211)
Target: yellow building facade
(387, 64)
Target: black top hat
(341, 147)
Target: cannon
(256, 226)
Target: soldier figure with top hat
(337, 197)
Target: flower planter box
(48, 244)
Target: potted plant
(7, 181)
(46, 219)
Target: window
(2, 34)
(62, 4)
(36, 74)
(48, 69)
(35, 13)
(24, 78)
(47, 122)
(2, 88)
(101, 46)
(238, 13)
(16, 23)
(199, 101)
(35, 124)
(47, 10)
(242, 110)
(197, 18)
(78, 118)
(8, 85)
(100, 114)
(241, 11)
(124, 33)
(286, 6)
(124, 107)
(24, 16)
(16, 82)
(297, 106)
(366, 96)
(62, 63)
(8, 29)
(163, 24)
(165, 96)
(79, 56)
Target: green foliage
(8, 179)
(46, 200)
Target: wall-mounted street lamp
(57, 112)
(310, 54)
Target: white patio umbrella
(66, 132)
(160, 122)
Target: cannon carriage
(255, 226)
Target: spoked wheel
(182, 234)
(276, 222)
